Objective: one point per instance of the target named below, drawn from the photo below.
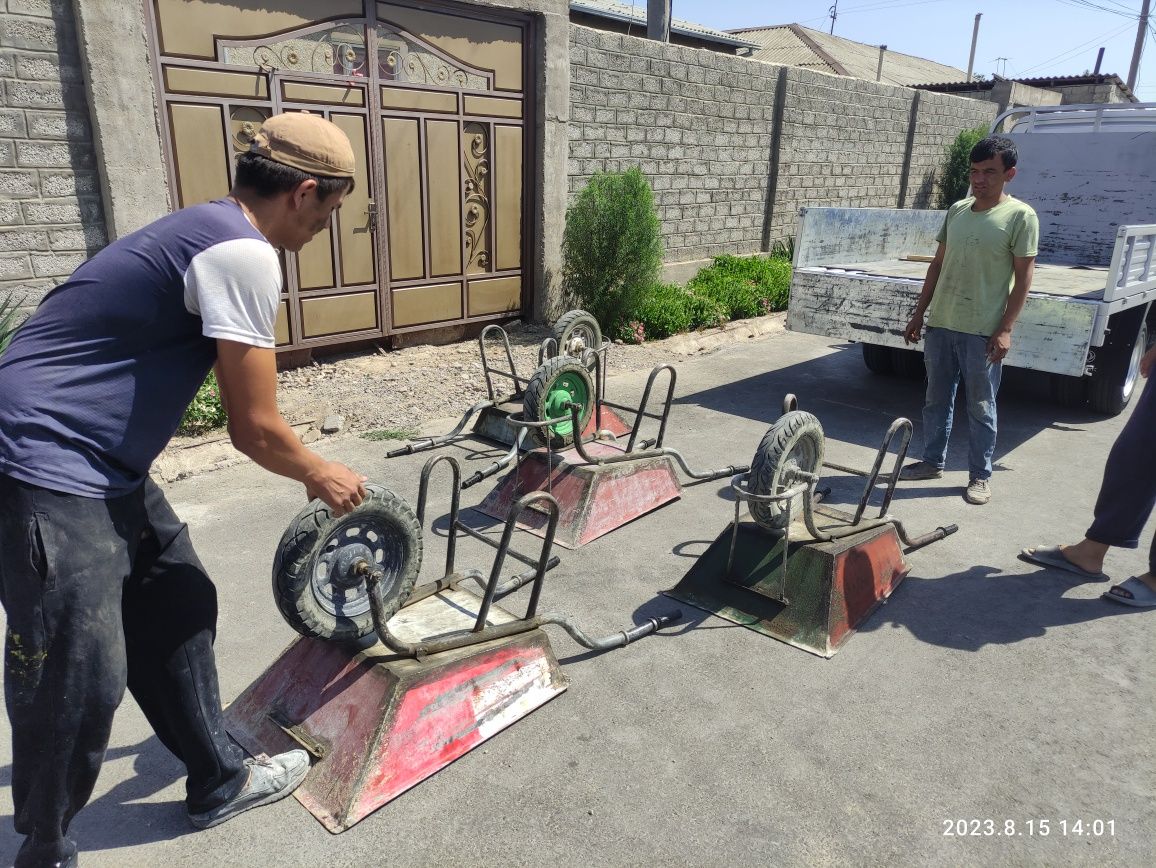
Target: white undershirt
(235, 288)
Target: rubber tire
(1118, 359)
(311, 533)
(878, 359)
(1068, 391)
(776, 452)
(908, 363)
(576, 321)
(537, 390)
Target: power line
(1065, 54)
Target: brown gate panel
(336, 314)
(500, 295)
(354, 220)
(432, 97)
(445, 200)
(508, 198)
(199, 152)
(423, 305)
(403, 198)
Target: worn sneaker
(270, 779)
(920, 470)
(978, 492)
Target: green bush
(206, 411)
(953, 177)
(8, 323)
(664, 311)
(745, 286)
(612, 247)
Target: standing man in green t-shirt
(975, 288)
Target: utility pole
(974, 40)
(834, 13)
(879, 69)
(1141, 32)
(658, 20)
(1003, 68)
(1099, 60)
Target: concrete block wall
(701, 126)
(698, 124)
(842, 143)
(940, 118)
(50, 209)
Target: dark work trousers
(1128, 491)
(100, 595)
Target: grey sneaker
(920, 470)
(270, 779)
(978, 492)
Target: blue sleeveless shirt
(95, 382)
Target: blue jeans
(949, 357)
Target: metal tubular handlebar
(487, 370)
(455, 502)
(614, 640)
(790, 403)
(902, 427)
(424, 444)
(516, 510)
(504, 461)
(655, 371)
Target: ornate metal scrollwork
(400, 58)
(245, 121)
(476, 208)
(337, 50)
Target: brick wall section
(842, 143)
(700, 126)
(50, 209)
(940, 119)
(696, 122)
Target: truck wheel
(1068, 391)
(560, 381)
(575, 331)
(877, 359)
(1117, 365)
(908, 363)
(794, 441)
(315, 580)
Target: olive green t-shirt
(977, 275)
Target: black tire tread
(1105, 394)
(778, 442)
(877, 359)
(292, 566)
(539, 387)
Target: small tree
(9, 310)
(612, 247)
(953, 179)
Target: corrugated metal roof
(1044, 82)
(817, 50)
(636, 14)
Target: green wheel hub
(568, 389)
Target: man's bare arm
(914, 330)
(248, 379)
(1000, 342)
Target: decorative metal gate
(434, 101)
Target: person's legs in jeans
(939, 402)
(63, 561)
(170, 618)
(981, 379)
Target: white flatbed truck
(1090, 173)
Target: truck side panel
(1053, 334)
(828, 236)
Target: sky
(1017, 38)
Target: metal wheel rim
(1138, 350)
(568, 388)
(333, 586)
(804, 449)
(581, 336)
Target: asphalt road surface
(990, 713)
